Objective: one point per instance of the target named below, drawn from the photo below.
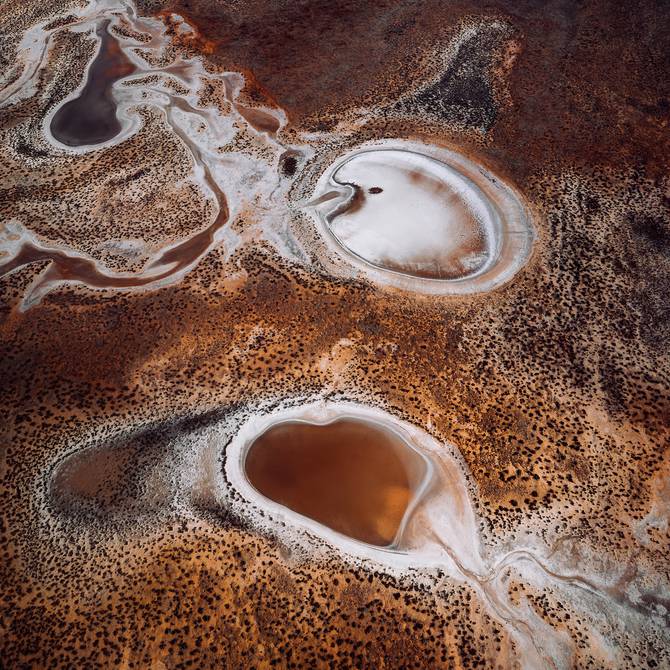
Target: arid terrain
(233, 233)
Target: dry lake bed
(334, 334)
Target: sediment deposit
(204, 268)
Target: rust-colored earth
(158, 290)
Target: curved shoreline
(511, 233)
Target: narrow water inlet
(90, 118)
(357, 477)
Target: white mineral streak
(232, 178)
(440, 530)
(440, 224)
(434, 222)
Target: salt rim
(411, 547)
(445, 544)
(202, 130)
(417, 496)
(442, 537)
(510, 236)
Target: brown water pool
(354, 476)
(90, 118)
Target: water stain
(110, 481)
(90, 118)
(425, 221)
(356, 477)
(259, 120)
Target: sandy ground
(162, 289)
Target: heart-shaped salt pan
(354, 476)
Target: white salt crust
(230, 177)
(425, 211)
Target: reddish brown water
(66, 266)
(91, 117)
(260, 120)
(353, 476)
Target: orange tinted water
(91, 117)
(353, 476)
(259, 119)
